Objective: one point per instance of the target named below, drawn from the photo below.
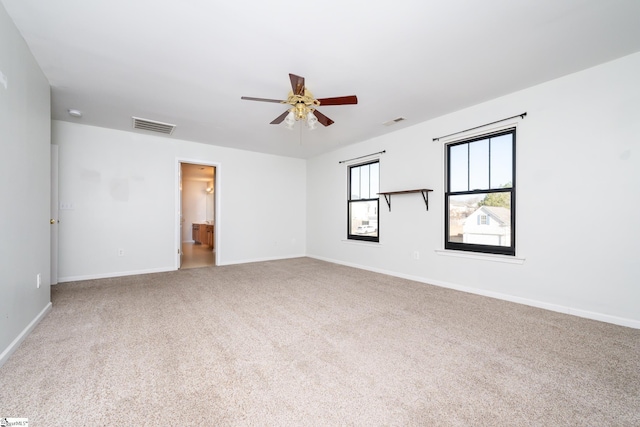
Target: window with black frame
(480, 198)
(363, 201)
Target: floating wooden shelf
(424, 191)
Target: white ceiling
(188, 62)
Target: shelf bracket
(425, 196)
(387, 197)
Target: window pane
(364, 182)
(480, 219)
(459, 167)
(363, 218)
(479, 165)
(502, 161)
(355, 183)
(374, 184)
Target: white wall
(123, 186)
(25, 174)
(577, 151)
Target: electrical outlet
(120, 252)
(38, 280)
(415, 255)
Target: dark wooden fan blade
(339, 100)
(249, 98)
(297, 84)
(322, 118)
(280, 118)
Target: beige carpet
(305, 342)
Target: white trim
(275, 258)
(55, 214)
(481, 256)
(607, 318)
(4, 356)
(116, 274)
(622, 321)
(362, 243)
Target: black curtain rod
(522, 116)
(361, 157)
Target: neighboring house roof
(501, 214)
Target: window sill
(484, 257)
(362, 243)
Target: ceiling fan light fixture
(290, 120)
(312, 121)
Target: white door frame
(217, 211)
(54, 214)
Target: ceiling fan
(303, 105)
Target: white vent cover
(394, 121)
(153, 126)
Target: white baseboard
(163, 270)
(116, 274)
(631, 323)
(246, 261)
(4, 356)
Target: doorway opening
(197, 215)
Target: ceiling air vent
(153, 126)
(394, 121)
